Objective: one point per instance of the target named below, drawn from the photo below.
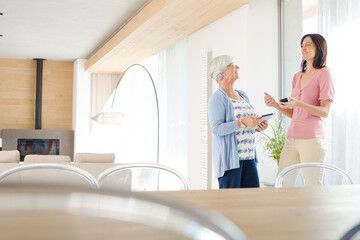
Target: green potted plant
(275, 144)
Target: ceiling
(60, 30)
(110, 34)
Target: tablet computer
(266, 117)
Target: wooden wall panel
(17, 94)
(57, 95)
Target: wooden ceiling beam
(160, 24)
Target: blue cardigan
(223, 127)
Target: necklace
(310, 70)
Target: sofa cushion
(34, 158)
(11, 156)
(94, 158)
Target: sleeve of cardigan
(217, 113)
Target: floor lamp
(117, 117)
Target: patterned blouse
(245, 136)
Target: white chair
(352, 234)
(142, 177)
(310, 174)
(48, 173)
(38, 212)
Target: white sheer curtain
(339, 22)
(177, 106)
(135, 140)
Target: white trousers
(302, 151)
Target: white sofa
(94, 163)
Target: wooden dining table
(261, 213)
(281, 213)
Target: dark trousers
(246, 176)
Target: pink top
(319, 87)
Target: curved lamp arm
(116, 115)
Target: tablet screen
(266, 117)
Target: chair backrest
(11, 156)
(111, 215)
(37, 158)
(48, 173)
(352, 234)
(94, 158)
(142, 177)
(312, 174)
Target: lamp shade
(109, 118)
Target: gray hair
(218, 65)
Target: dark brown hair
(321, 51)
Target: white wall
(293, 23)
(81, 106)
(263, 69)
(250, 35)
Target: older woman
(233, 122)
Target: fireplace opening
(38, 146)
(42, 141)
